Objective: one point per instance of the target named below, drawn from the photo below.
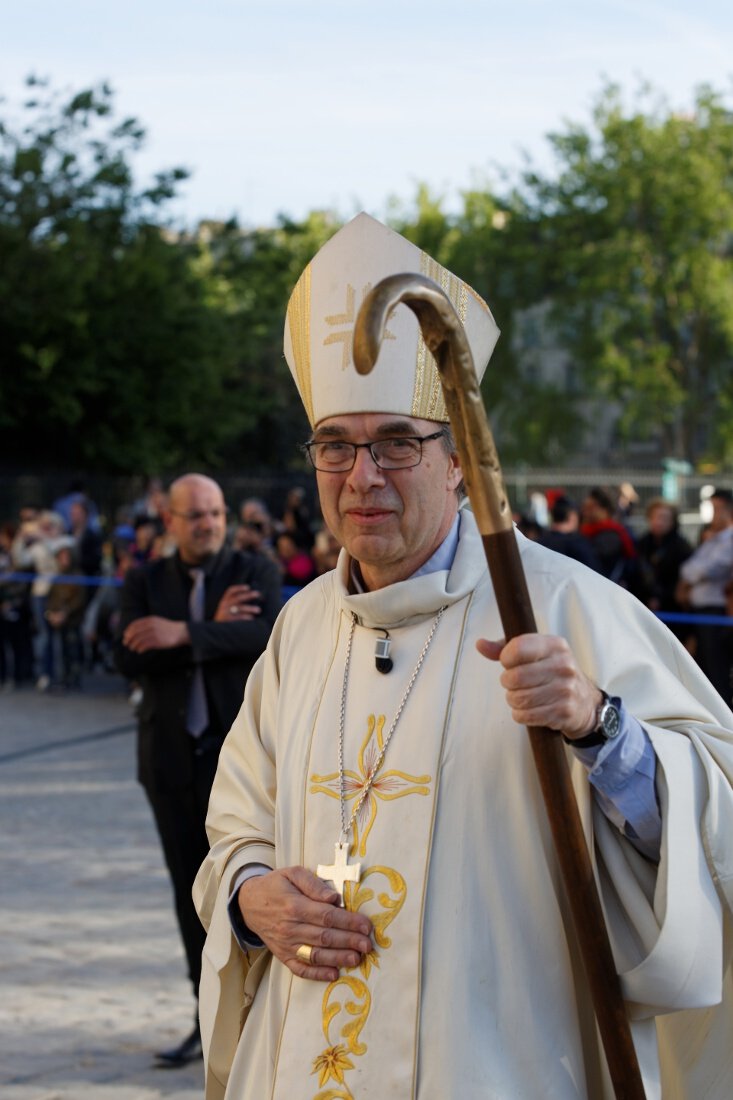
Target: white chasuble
(474, 989)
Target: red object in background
(552, 495)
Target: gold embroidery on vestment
(358, 895)
(386, 786)
(332, 1063)
(360, 1007)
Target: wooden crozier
(445, 337)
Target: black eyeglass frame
(306, 448)
(197, 516)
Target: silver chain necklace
(341, 870)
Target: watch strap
(596, 737)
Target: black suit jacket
(226, 652)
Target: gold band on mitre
(320, 323)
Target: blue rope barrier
(688, 617)
(288, 591)
(62, 578)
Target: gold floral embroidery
(360, 1007)
(332, 1063)
(357, 895)
(387, 786)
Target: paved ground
(92, 975)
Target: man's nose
(365, 470)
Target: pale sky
(292, 105)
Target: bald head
(183, 486)
(196, 517)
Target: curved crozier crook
(445, 336)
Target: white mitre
(320, 323)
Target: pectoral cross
(341, 870)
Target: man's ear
(455, 473)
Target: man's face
(197, 518)
(390, 521)
(721, 514)
(77, 515)
(661, 521)
(591, 513)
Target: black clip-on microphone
(382, 658)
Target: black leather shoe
(187, 1051)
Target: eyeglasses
(334, 456)
(196, 517)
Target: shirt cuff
(622, 773)
(246, 939)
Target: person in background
(146, 532)
(528, 526)
(152, 504)
(256, 528)
(704, 577)
(88, 539)
(612, 544)
(662, 550)
(65, 607)
(34, 551)
(16, 640)
(190, 628)
(102, 615)
(326, 550)
(296, 518)
(626, 502)
(564, 536)
(76, 494)
(296, 563)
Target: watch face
(610, 721)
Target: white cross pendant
(341, 870)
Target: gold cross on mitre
(348, 318)
(340, 871)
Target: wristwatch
(607, 727)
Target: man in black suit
(191, 627)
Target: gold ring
(304, 953)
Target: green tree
(632, 239)
(254, 272)
(533, 420)
(112, 349)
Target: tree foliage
(126, 346)
(253, 273)
(633, 239)
(532, 418)
(111, 349)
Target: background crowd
(61, 569)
